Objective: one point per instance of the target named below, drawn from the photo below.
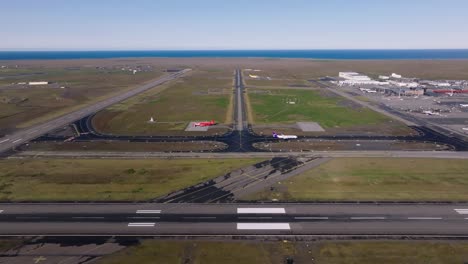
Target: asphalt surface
(209, 155)
(153, 219)
(11, 141)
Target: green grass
(260, 252)
(310, 106)
(24, 107)
(105, 180)
(376, 179)
(174, 107)
(200, 252)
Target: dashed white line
(17, 140)
(261, 211)
(143, 217)
(3, 141)
(311, 218)
(141, 224)
(424, 218)
(368, 218)
(263, 226)
(260, 217)
(148, 211)
(88, 217)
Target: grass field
(309, 106)
(22, 106)
(376, 179)
(125, 146)
(105, 180)
(258, 252)
(204, 95)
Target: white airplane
(465, 128)
(463, 105)
(284, 136)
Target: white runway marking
(461, 211)
(148, 211)
(141, 224)
(261, 211)
(311, 218)
(17, 140)
(1, 211)
(368, 218)
(3, 141)
(263, 226)
(424, 218)
(30, 132)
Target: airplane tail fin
(275, 135)
(212, 122)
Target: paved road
(233, 219)
(311, 154)
(10, 141)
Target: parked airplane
(464, 105)
(465, 128)
(284, 136)
(205, 123)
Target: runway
(156, 219)
(10, 141)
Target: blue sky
(233, 24)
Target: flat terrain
(105, 180)
(277, 108)
(72, 87)
(376, 179)
(203, 95)
(260, 252)
(125, 146)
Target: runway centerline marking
(3, 141)
(141, 224)
(424, 218)
(148, 211)
(261, 210)
(253, 217)
(17, 140)
(368, 218)
(263, 226)
(311, 217)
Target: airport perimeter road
(311, 154)
(10, 141)
(154, 219)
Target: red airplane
(205, 123)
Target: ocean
(272, 54)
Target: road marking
(88, 217)
(148, 211)
(261, 211)
(200, 217)
(311, 218)
(17, 140)
(368, 218)
(1, 211)
(424, 218)
(263, 226)
(144, 217)
(3, 141)
(265, 217)
(141, 224)
(461, 211)
(30, 132)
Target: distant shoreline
(422, 54)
